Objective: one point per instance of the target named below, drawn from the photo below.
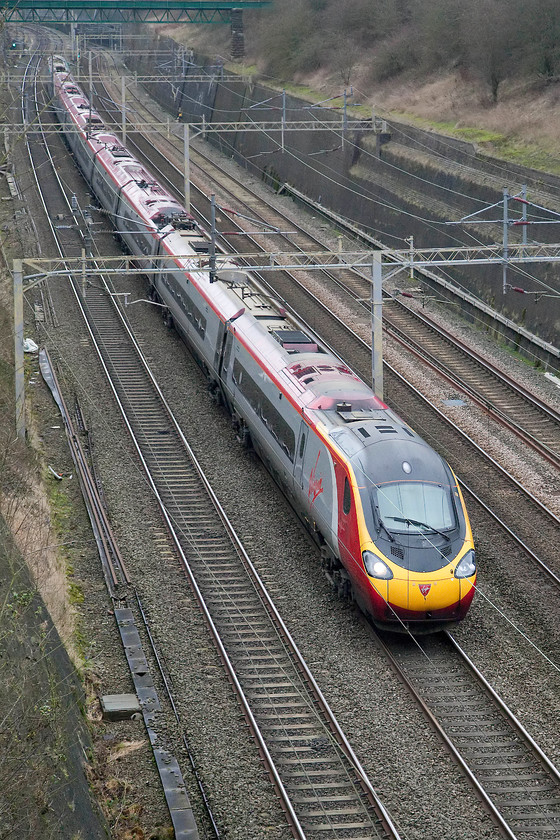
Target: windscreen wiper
(420, 525)
(382, 525)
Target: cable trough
(116, 577)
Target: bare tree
(492, 33)
(344, 60)
(541, 48)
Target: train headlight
(375, 567)
(467, 566)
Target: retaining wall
(347, 176)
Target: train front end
(417, 548)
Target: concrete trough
(120, 706)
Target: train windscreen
(415, 507)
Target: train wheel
(336, 574)
(244, 436)
(215, 393)
(328, 562)
(167, 318)
(342, 584)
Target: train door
(299, 457)
(349, 550)
(223, 364)
(346, 517)
(318, 490)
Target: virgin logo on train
(315, 484)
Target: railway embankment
(60, 765)
(412, 184)
(44, 738)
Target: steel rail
(102, 531)
(172, 528)
(492, 807)
(454, 752)
(453, 727)
(115, 574)
(518, 540)
(393, 370)
(168, 690)
(381, 814)
(114, 568)
(439, 367)
(506, 475)
(553, 770)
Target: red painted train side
(385, 508)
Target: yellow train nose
(425, 593)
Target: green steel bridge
(125, 11)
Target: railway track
(316, 748)
(57, 204)
(536, 423)
(534, 525)
(323, 788)
(525, 818)
(516, 780)
(123, 595)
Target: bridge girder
(125, 11)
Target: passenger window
(347, 498)
(301, 445)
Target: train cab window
(347, 497)
(417, 507)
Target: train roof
(383, 448)
(316, 380)
(82, 113)
(396, 459)
(58, 64)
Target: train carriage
(385, 508)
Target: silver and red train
(385, 508)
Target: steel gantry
(370, 264)
(125, 11)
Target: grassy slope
(523, 127)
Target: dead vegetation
(487, 71)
